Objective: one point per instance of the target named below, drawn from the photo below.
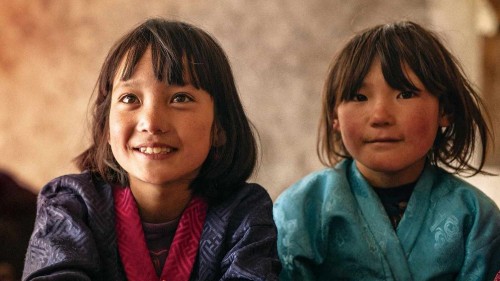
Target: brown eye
(181, 98)
(129, 98)
(358, 97)
(406, 95)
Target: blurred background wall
(51, 52)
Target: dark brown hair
(396, 45)
(179, 50)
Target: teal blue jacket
(332, 226)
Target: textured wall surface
(491, 79)
(51, 52)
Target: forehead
(402, 76)
(144, 62)
(169, 70)
(397, 74)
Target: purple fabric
(74, 236)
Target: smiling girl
(163, 192)
(396, 111)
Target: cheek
(196, 130)
(118, 129)
(114, 140)
(348, 126)
(350, 133)
(423, 132)
(202, 133)
(113, 130)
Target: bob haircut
(396, 45)
(180, 51)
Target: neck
(159, 204)
(385, 179)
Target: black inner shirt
(395, 201)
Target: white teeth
(154, 150)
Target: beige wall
(51, 51)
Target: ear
(444, 120)
(218, 136)
(336, 124)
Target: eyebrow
(135, 83)
(365, 85)
(126, 83)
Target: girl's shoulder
(249, 206)
(319, 183)
(86, 186)
(248, 196)
(450, 187)
(252, 190)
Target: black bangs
(405, 45)
(394, 71)
(358, 56)
(397, 51)
(394, 49)
(177, 57)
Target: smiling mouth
(154, 150)
(383, 141)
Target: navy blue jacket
(74, 236)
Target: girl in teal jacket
(399, 117)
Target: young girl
(162, 195)
(397, 107)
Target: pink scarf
(132, 243)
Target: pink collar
(132, 243)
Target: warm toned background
(51, 52)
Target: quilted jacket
(74, 236)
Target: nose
(382, 114)
(153, 120)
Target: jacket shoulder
(85, 191)
(83, 183)
(316, 184)
(451, 187)
(250, 196)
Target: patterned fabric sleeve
(482, 259)
(239, 239)
(252, 252)
(61, 246)
(297, 240)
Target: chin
(388, 167)
(163, 181)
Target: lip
(383, 140)
(153, 144)
(146, 149)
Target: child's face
(160, 134)
(389, 132)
